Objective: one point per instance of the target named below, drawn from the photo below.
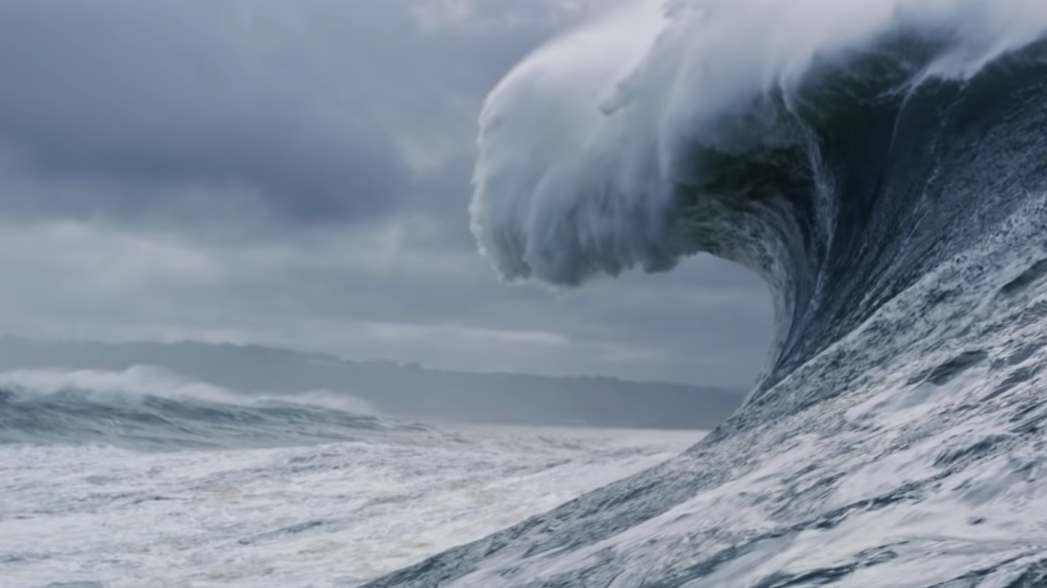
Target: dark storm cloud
(302, 109)
(147, 93)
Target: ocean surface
(882, 164)
(106, 485)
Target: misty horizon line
(369, 362)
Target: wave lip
(148, 408)
(784, 136)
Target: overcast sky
(296, 173)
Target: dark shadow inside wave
(845, 190)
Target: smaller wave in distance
(148, 408)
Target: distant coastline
(411, 391)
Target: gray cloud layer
(301, 109)
(297, 173)
(179, 94)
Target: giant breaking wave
(882, 164)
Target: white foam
(325, 516)
(578, 145)
(141, 381)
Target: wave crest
(759, 131)
(150, 408)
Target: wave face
(883, 166)
(146, 408)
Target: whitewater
(144, 478)
(882, 165)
